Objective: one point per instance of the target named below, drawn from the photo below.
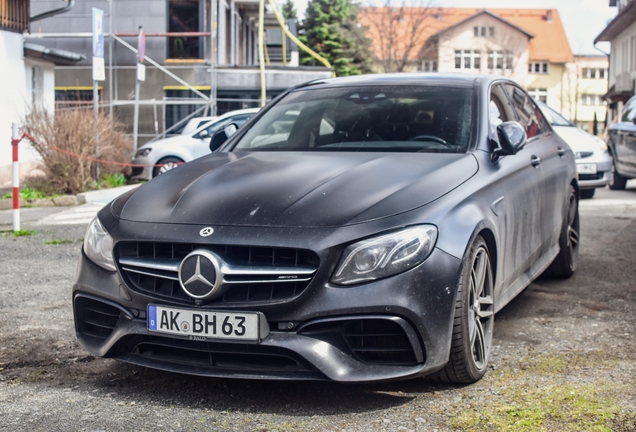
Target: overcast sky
(583, 19)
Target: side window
(527, 112)
(239, 120)
(499, 109)
(629, 112)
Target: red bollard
(15, 140)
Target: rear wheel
(166, 164)
(617, 181)
(474, 319)
(587, 193)
(564, 264)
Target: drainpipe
(54, 12)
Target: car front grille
(584, 154)
(258, 275)
(95, 319)
(597, 176)
(378, 340)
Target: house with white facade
(621, 33)
(27, 77)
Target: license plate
(587, 168)
(202, 325)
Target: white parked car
(593, 161)
(195, 123)
(166, 154)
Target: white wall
(623, 56)
(15, 99)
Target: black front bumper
(308, 338)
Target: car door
(520, 207)
(548, 151)
(623, 136)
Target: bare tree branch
(397, 32)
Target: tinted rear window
(374, 118)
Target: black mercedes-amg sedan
(356, 229)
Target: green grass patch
(540, 393)
(29, 194)
(112, 181)
(24, 233)
(57, 242)
(566, 407)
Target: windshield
(374, 118)
(552, 116)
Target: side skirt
(526, 278)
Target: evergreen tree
(289, 11)
(331, 29)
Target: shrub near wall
(74, 131)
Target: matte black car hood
(288, 189)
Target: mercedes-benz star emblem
(207, 231)
(199, 274)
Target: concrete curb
(103, 196)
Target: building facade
(587, 85)
(27, 78)
(219, 60)
(527, 45)
(621, 33)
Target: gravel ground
(564, 357)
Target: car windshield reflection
(373, 119)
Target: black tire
(473, 321)
(565, 262)
(617, 181)
(169, 163)
(587, 193)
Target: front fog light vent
(94, 318)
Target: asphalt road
(564, 357)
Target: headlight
(143, 152)
(386, 255)
(98, 245)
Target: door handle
(535, 161)
(561, 151)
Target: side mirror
(203, 134)
(222, 135)
(512, 138)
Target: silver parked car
(593, 161)
(166, 154)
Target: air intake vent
(379, 341)
(94, 318)
(371, 339)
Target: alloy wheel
(573, 227)
(480, 309)
(167, 167)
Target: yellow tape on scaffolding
(301, 45)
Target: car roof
(448, 79)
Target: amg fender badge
(207, 231)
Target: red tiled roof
(548, 44)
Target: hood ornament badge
(207, 231)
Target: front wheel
(474, 319)
(166, 164)
(617, 181)
(587, 193)
(564, 264)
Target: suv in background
(163, 155)
(622, 145)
